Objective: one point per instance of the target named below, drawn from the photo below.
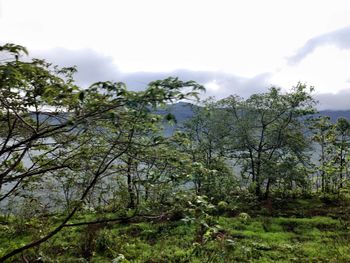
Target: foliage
(54, 132)
(88, 174)
(334, 161)
(266, 134)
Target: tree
(207, 135)
(266, 131)
(334, 142)
(50, 127)
(323, 134)
(342, 144)
(34, 97)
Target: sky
(230, 46)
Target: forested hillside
(107, 174)
(183, 111)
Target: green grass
(260, 239)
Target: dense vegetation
(88, 175)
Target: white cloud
(334, 101)
(326, 69)
(92, 66)
(339, 38)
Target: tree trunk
(257, 180)
(341, 167)
(131, 204)
(267, 191)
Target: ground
(299, 236)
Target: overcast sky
(232, 47)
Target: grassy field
(228, 239)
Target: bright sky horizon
(232, 47)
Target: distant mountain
(334, 115)
(181, 110)
(184, 111)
